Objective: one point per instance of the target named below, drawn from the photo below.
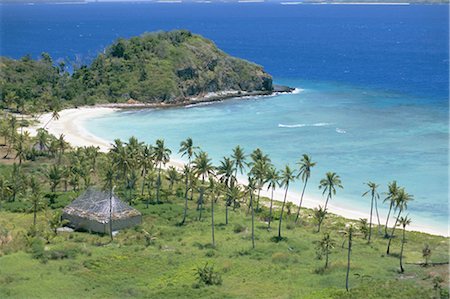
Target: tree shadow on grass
(277, 239)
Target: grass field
(163, 263)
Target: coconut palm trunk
(200, 199)
(158, 184)
(110, 216)
(392, 232)
(226, 214)
(149, 191)
(378, 217)
(348, 257)
(370, 223)
(185, 201)
(401, 251)
(257, 201)
(326, 202)
(297, 217)
(282, 210)
(253, 220)
(212, 222)
(144, 173)
(387, 220)
(270, 209)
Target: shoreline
(211, 97)
(71, 124)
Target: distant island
(162, 68)
(283, 2)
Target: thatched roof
(93, 204)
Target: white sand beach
(72, 124)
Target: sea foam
(304, 125)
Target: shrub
(208, 276)
(239, 228)
(37, 249)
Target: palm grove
(139, 173)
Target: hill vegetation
(165, 67)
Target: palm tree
(251, 187)
(374, 194)
(121, 158)
(391, 196)
(403, 221)
(36, 198)
(21, 147)
(172, 177)
(349, 233)
(305, 172)
(238, 157)
(187, 148)
(259, 169)
(55, 221)
(12, 124)
(225, 173)
(150, 179)
(214, 189)
(319, 215)
(62, 146)
(92, 153)
(55, 113)
(329, 184)
(202, 168)
(54, 175)
(287, 176)
(233, 196)
(42, 139)
(186, 175)
(324, 246)
(401, 200)
(17, 181)
(131, 184)
(146, 163)
(161, 156)
(272, 178)
(426, 254)
(108, 185)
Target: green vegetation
(197, 239)
(163, 67)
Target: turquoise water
(360, 134)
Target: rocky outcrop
(170, 67)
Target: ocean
(372, 100)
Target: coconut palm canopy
(90, 211)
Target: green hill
(167, 67)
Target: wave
(201, 104)
(297, 90)
(340, 131)
(304, 125)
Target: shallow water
(362, 135)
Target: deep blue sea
(374, 81)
